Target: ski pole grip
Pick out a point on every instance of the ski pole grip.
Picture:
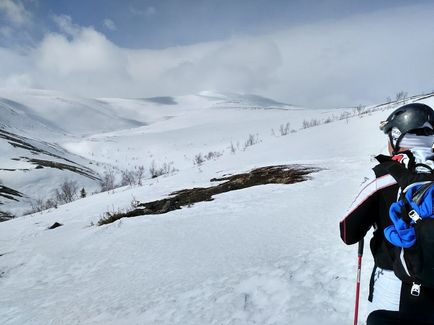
(360, 249)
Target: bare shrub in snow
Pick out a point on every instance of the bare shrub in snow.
(154, 170)
(134, 204)
(108, 179)
(232, 147)
(128, 177)
(213, 155)
(401, 96)
(50, 203)
(110, 216)
(132, 177)
(114, 215)
(251, 141)
(359, 110)
(67, 192)
(37, 206)
(344, 115)
(140, 174)
(329, 119)
(310, 123)
(166, 169)
(284, 129)
(198, 159)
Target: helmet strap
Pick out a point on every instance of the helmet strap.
(395, 146)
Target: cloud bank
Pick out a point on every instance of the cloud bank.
(334, 63)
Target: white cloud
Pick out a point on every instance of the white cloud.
(237, 65)
(109, 24)
(15, 12)
(65, 24)
(90, 52)
(353, 61)
(357, 60)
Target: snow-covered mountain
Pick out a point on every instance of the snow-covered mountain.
(268, 254)
(49, 137)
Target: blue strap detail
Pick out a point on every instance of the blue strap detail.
(400, 233)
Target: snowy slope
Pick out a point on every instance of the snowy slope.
(58, 113)
(33, 124)
(35, 168)
(180, 128)
(123, 133)
(263, 255)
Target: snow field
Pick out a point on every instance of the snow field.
(263, 255)
(241, 259)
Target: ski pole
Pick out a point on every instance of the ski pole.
(359, 270)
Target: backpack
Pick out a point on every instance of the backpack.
(411, 231)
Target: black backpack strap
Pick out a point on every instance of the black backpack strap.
(403, 176)
(397, 170)
(428, 168)
(420, 193)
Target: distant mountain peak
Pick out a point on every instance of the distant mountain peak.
(232, 99)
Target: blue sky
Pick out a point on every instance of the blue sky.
(317, 53)
(167, 23)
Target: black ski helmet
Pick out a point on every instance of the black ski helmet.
(411, 118)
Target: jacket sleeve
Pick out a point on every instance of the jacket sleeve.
(362, 213)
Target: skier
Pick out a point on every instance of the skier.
(410, 130)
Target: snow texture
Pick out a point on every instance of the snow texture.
(263, 255)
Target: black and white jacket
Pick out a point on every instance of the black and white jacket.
(369, 209)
